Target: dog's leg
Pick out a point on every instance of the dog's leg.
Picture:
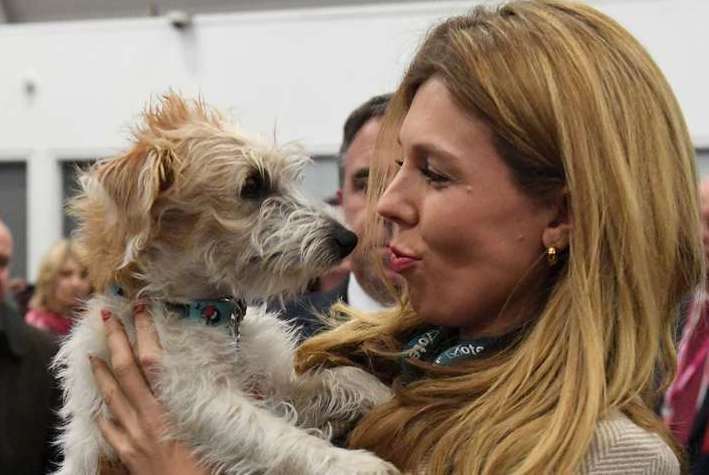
(336, 398)
(79, 437)
(81, 440)
(331, 399)
(267, 347)
(237, 436)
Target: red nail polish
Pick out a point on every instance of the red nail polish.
(139, 307)
(105, 314)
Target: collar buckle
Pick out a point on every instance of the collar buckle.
(236, 316)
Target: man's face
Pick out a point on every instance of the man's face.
(5, 256)
(356, 162)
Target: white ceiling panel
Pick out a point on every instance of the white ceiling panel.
(21, 11)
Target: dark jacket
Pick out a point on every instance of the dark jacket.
(28, 397)
(302, 312)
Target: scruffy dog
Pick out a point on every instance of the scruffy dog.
(196, 219)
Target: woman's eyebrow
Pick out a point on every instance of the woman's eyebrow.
(427, 148)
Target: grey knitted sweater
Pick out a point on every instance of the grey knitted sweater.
(621, 447)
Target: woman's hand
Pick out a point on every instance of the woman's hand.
(139, 420)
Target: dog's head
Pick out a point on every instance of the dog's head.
(198, 209)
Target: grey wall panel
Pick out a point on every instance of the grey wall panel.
(13, 210)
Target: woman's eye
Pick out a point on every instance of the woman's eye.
(433, 177)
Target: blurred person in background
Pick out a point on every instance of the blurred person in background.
(28, 393)
(361, 287)
(62, 285)
(686, 403)
(6, 246)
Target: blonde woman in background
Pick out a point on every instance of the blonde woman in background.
(540, 179)
(62, 285)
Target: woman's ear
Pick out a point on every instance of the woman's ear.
(558, 232)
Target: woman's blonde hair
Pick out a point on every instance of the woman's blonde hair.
(577, 107)
(52, 263)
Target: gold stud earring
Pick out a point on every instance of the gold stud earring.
(552, 256)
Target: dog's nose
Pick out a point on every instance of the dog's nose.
(346, 240)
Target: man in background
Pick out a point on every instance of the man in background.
(362, 288)
(28, 394)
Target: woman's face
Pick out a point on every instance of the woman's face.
(465, 237)
(71, 286)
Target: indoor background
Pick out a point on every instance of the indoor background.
(74, 74)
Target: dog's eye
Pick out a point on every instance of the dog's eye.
(255, 187)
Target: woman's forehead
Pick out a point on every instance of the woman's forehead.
(436, 122)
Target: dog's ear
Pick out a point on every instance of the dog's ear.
(132, 184)
(136, 179)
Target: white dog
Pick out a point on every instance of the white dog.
(196, 219)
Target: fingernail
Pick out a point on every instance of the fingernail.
(105, 314)
(139, 307)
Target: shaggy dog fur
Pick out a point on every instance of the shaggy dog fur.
(196, 209)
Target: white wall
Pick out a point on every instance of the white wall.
(297, 73)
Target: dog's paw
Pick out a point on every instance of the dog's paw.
(360, 462)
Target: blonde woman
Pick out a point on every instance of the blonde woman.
(62, 285)
(540, 179)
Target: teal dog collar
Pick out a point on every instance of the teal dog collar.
(210, 312)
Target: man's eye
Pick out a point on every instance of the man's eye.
(360, 184)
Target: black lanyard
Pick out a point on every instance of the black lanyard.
(442, 346)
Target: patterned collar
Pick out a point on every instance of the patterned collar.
(213, 312)
(225, 311)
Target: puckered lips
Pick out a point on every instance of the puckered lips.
(400, 260)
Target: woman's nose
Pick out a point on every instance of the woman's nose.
(396, 204)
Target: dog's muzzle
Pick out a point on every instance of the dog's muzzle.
(345, 240)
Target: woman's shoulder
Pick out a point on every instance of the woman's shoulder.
(621, 446)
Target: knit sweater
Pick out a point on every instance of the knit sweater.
(621, 447)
